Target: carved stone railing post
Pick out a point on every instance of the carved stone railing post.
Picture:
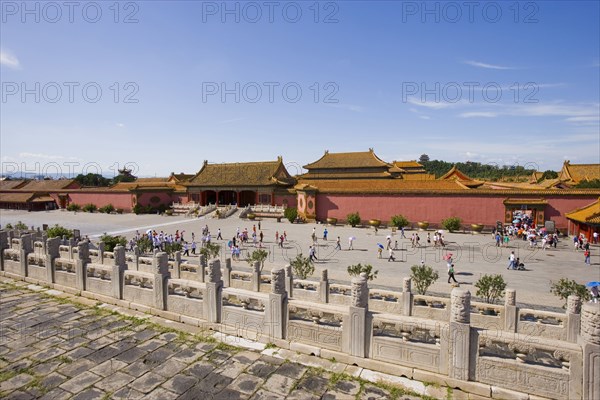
(510, 310)
(324, 287)
(202, 268)
(256, 276)
(161, 274)
(277, 308)
(573, 317)
(227, 273)
(4, 240)
(100, 253)
(83, 256)
(118, 269)
(26, 248)
(289, 281)
(357, 337)
(407, 296)
(213, 300)
(136, 257)
(460, 334)
(176, 271)
(590, 344)
(52, 253)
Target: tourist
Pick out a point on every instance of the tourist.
(276, 236)
(511, 260)
(351, 243)
(428, 238)
(338, 244)
(498, 239)
(261, 237)
(193, 247)
(281, 239)
(219, 237)
(379, 252)
(520, 265)
(312, 253)
(402, 233)
(595, 236)
(594, 294)
(325, 234)
(259, 225)
(451, 273)
(391, 258)
(186, 250)
(587, 254)
(506, 240)
(285, 236)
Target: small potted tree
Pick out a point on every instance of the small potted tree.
(423, 276)
(353, 219)
(302, 266)
(452, 224)
(357, 269)
(490, 288)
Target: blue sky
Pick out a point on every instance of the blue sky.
(502, 82)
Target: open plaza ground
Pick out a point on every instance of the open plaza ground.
(474, 254)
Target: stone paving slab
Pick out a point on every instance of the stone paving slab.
(149, 363)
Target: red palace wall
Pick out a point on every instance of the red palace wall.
(101, 199)
(164, 198)
(471, 209)
(291, 200)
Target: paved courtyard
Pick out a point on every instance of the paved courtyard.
(474, 255)
(54, 346)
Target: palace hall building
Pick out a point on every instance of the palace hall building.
(336, 185)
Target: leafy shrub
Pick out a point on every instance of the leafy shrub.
(357, 269)
(210, 250)
(302, 266)
(399, 221)
(73, 207)
(144, 244)
(353, 219)
(138, 209)
(59, 231)
(171, 248)
(110, 242)
(291, 213)
(258, 255)
(566, 287)
(490, 287)
(9, 226)
(21, 226)
(423, 276)
(452, 224)
(89, 208)
(107, 209)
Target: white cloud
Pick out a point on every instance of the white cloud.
(436, 105)
(485, 65)
(351, 107)
(41, 155)
(120, 124)
(424, 117)
(9, 60)
(475, 114)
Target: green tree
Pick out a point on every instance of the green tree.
(291, 213)
(92, 180)
(353, 219)
(452, 224)
(171, 248)
(592, 184)
(302, 266)
(210, 250)
(399, 221)
(21, 226)
(357, 269)
(490, 287)
(144, 244)
(89, 208)
(566, 287)
(258, 255)
(549, 174)
(423, 276)
(110, 242)
(59, 231)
